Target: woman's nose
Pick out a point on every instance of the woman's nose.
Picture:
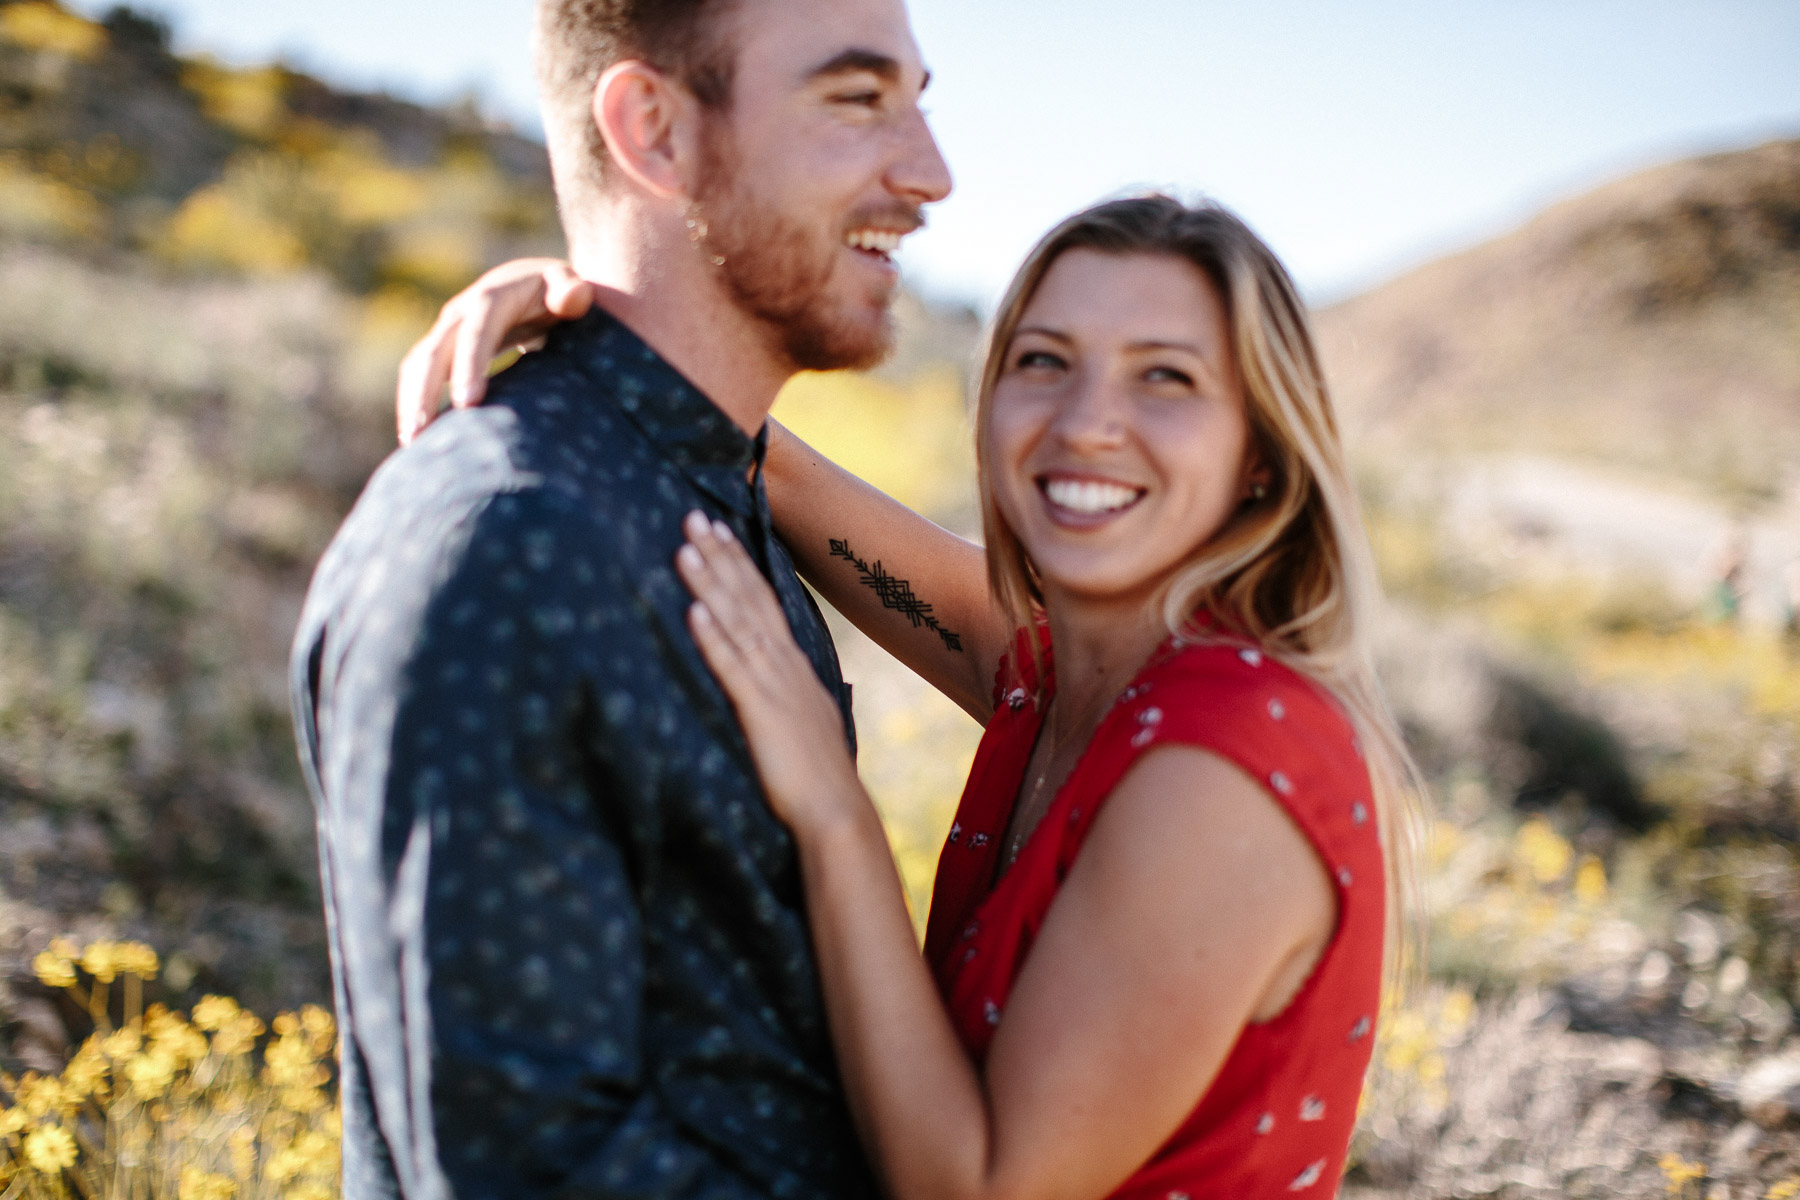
(1092, 415)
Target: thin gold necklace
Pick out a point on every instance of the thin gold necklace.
(1022, 832)
(1015, 844)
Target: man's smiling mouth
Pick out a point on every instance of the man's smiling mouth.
(877, 241)
(1089, 497)
(879, 244)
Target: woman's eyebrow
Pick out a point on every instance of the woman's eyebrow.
(1041, 331)
(1162, 344)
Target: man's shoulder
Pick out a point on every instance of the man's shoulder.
(467, 496)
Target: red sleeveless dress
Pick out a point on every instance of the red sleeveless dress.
(1277, 1119)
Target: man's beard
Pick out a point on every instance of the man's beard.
(779, 272)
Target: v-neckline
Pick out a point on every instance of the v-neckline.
(1002, 871)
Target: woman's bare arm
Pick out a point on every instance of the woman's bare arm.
(1192, 901)
(917, 589)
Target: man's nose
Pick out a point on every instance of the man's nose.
(919, 171)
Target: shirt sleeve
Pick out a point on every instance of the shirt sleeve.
(484, 877)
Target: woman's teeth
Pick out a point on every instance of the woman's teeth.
(1089, 496)
(877, 241)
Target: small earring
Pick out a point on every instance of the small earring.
(1259, 492)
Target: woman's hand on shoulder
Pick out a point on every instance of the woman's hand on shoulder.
(513, 305)
(794, 728)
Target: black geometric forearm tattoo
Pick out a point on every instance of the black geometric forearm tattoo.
(896, 594)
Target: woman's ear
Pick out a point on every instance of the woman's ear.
(1258, 480)
(650, 124)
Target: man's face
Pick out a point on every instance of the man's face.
(821, 165)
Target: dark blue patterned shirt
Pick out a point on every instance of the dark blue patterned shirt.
(568, 939)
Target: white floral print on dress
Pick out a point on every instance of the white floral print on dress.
(1307, 1177)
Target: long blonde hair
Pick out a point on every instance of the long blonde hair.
(1291, 572)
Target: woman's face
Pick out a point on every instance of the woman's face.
(1119, 438)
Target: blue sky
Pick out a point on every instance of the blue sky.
(1360, 136)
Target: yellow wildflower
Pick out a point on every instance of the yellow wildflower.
(174, 1037)
(50, 1149)
(40, 1096)
(1458, 1010)
(309, 1191)
(13, 1120)
(124, 1043)
(1787, 1189)
(1542, 850)
(1679, 1172)
(135, 958)
(284, 1164)
(238, 1037)
(150, 1074)
(310, 1153)
(203, 1185)
(41, 25)
(320, 1028)
(86, 1073)
(216, 1012)
(290, 1062)
(302, 1099)
(242, 1144)
(53, 970)
(1590, 880)
(100, 960)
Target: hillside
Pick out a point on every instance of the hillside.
(110, 142)
(207, 275)
(1652, 324)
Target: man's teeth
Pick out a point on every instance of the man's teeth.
(1088, 496)
(878, 240)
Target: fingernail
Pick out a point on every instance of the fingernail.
(687, 556)
(722, 531)
(696, 524)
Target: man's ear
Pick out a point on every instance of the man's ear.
(650, 124)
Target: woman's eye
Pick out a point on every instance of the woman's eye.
(1169, 375)
(1039, 360)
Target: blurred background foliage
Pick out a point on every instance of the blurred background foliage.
(1579, 449)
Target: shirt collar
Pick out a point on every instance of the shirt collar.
(678, 419)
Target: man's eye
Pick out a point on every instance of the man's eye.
(860, 99)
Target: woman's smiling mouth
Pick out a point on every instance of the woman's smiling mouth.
(1085, 500)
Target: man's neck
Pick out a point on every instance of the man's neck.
(661, 288)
